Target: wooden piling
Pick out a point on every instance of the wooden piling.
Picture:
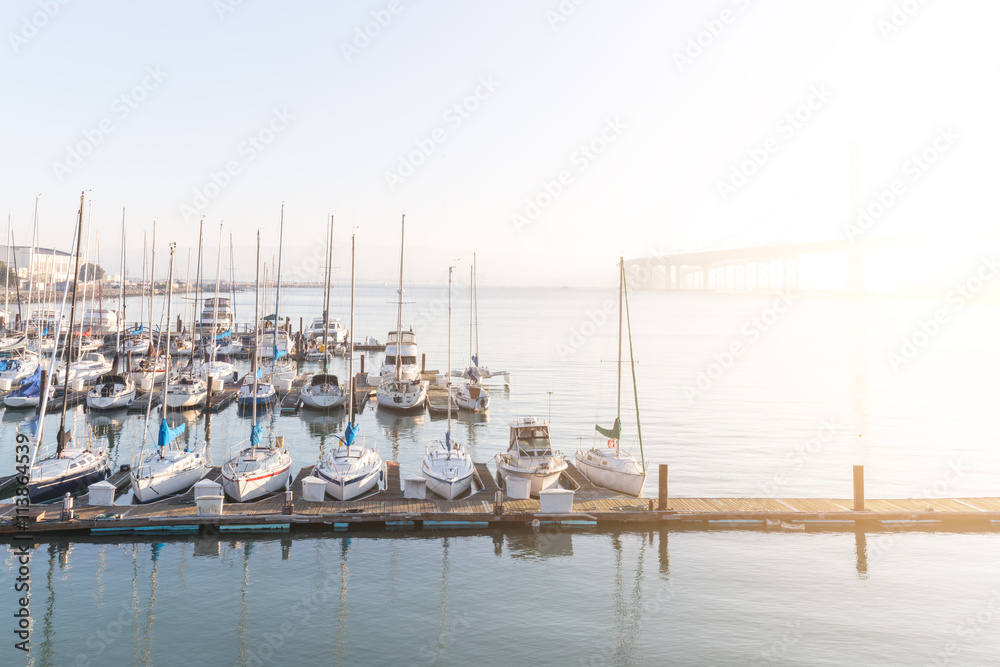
(662, 498)
(301, 347)
(362, 363)
(210, 383)
(423, 362)
(859, 488)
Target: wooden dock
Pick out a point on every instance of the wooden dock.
(141, 402)
(71, 399)
(592, 506)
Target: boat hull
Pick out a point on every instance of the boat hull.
(348, 489)
(53, 489)
(148, 489)
(621, 481)
(323, 401)
(540, 481)
(122, 400)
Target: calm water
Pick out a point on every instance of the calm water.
(740, 395)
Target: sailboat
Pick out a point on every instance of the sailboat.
(167, 470)
(472, 395)
(279, 366)
(70, 469)
(609, 466)
(114, 390)
(446, 466)
(217, 318)
(187, 389)
(257, 470)
(400, 387)
(323, 391)
(353, 467)
(29, 394)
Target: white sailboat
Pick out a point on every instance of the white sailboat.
(401, 388)
(70, 469)
(472, 395)
(279, 365)
(353, 467)
(446, 466)
(187, 389)
(323, 391)
(530, 455)
(166, 470)
(258, 469)
(609, 466)
(218, 323)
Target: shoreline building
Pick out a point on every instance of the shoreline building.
(38, 265)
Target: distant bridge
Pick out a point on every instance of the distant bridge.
(746, 269)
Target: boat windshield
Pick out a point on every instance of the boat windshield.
(530, 438)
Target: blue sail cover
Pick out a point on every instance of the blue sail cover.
(32, 386)
(255, 434)
(475, 361)
(350, 433)
(168, 434)
(278, 354)
(225, 334)
(447, 440)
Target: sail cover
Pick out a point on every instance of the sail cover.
(255, 434)
(168, 434)
(615, 432)
(349, 433)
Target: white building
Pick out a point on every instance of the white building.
(42, 265)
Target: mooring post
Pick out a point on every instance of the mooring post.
(859, 488)
(210, 387)
(498, 503)
(287, 509)
(302, 351)
(662, 493)
(67, 512)
(362, 362)
(423, 362)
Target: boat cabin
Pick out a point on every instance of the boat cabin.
(530, 436)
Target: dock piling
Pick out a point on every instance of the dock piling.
(859, 488)
(423, 362)
(67, 510)
(362, 362)
(210, 387)
(662, 493)
(288, 507)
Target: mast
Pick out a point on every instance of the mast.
(142, 290)
(121, 293)
(277, 286)
(399, 310)
(472, 291)
(350, 356)
(62, 437)
(475, 305)
(256, 338)
(52, 361)
(6, 277)
(170, 295)
(635, 390)
(152, 347)
(152, 289)
(215, 313)
(232, 278)
(326, 296)
(30, 267)
(76, 277)
(197, 287)
(17, 283)
(621, 292)
(100, 291)
(447, 434)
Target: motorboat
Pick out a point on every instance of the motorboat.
(336, 334)
(217, 315)
(401, 349)
(530, 456)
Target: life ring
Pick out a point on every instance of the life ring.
(611, 444)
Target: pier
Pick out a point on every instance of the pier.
(485, 509)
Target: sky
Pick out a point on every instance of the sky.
(549, 137)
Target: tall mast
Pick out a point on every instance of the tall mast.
(621, 292)
(277, 286)
(142, 289)
(6, 278)
(218, 277)
(350, 355)
(152, 289)
(197, 288)
(399, 310)
(256, 337)
(62, 437)
(475, 304)
(631, 356)
(166, 345)
(326, 296)
(121, 294)
(232, 277)
(30, 268)
(472, 291)
(100, 291)
(86, 251)
(447, 434)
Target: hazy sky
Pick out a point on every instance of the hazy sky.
(549, 136)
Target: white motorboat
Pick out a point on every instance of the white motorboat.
(446, 466)
(90, 367)
(336, 334)
(101, 321)
(401, 351)
(18, 369)
(610, 466)
(110, 392)
(186, 391)
(217, 315)
(271, 344)
(167, 470)
(530, 456)
(402, 395)
(323, 392)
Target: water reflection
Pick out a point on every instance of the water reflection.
(861, 553)
(545, 541)
(325, 427)
(399, 428)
